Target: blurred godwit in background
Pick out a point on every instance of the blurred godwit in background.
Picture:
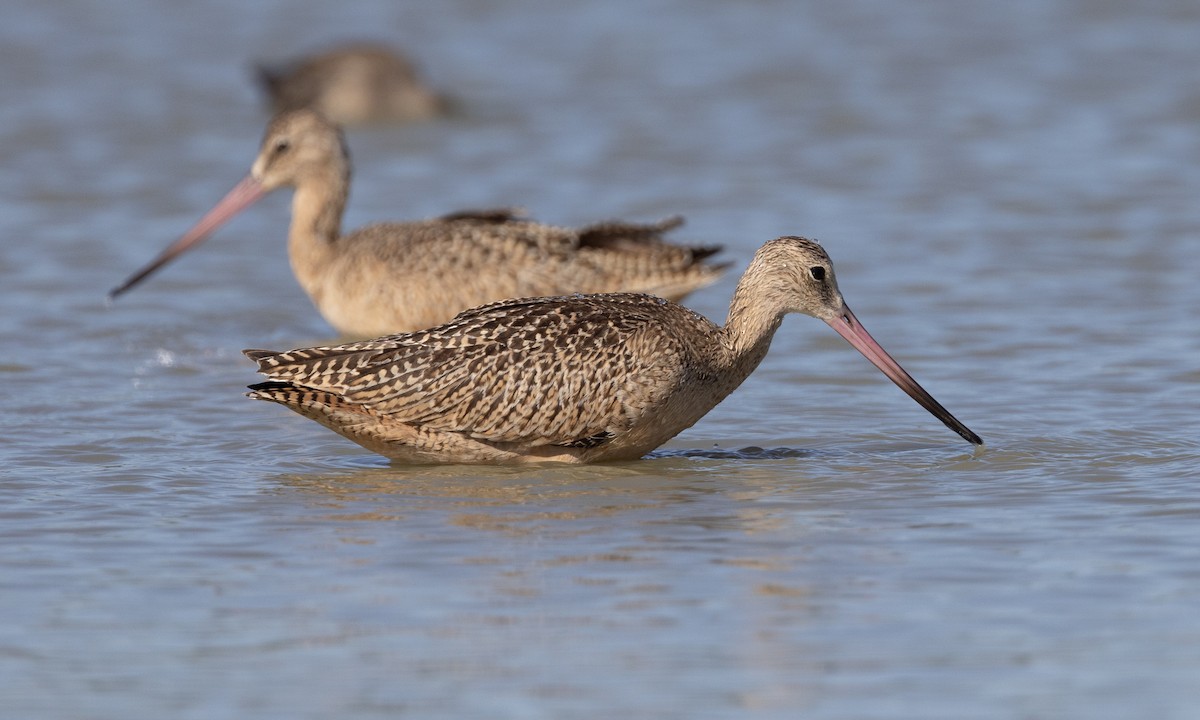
(362, 83)
(395, 277)
(575, 379)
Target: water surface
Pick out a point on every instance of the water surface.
(1008, 191)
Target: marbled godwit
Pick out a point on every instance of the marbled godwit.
(394, 277)
(571, 379)
(353, 85)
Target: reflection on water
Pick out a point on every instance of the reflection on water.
(1008, 190)
(492, 495)
(747, 453)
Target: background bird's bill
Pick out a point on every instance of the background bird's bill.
(244, 194)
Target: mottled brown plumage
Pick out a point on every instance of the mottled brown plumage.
(394, 277)
(354, 84)
(585, 378)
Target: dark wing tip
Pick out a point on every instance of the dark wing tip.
(269, 385)
(669, 223)
(284, 393)
(258, 354)
(265, 359)
(704, 252)
(489, 216)
(619, 234)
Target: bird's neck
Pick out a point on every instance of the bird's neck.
(317, 208)
(748, 329)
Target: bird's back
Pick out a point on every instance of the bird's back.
(592, 377)
(394, 277)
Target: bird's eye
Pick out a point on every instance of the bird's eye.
(281, 147)
(817, 272)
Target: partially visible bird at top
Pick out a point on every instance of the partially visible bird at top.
(402, 276)
(355, 84)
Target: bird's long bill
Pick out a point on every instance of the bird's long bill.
(847, 325)
(244, 194)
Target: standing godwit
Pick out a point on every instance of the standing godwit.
(570, 379)
(353, 85)
(394, 277)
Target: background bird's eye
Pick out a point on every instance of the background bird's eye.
(817, 272)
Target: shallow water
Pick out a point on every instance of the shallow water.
(1008, 191)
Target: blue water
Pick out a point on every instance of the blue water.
(1008, 192)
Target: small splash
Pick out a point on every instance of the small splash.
(164, 358)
